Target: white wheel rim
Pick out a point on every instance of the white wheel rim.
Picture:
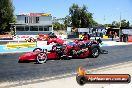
(41, 57)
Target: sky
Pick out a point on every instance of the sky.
(104, 11)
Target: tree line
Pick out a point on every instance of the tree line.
(80, 17)
(6, 15)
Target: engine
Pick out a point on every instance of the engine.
(59, 49)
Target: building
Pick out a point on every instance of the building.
(93, 32)
(33, 23)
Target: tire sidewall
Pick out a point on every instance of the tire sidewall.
(94, 47)
(37, 49)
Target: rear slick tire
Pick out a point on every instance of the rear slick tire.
(95, 51)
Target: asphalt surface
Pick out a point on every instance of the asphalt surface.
(12, 71)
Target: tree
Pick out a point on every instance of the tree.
(58, 26)
(124, 23)
(93, 23)
(67, 21)
(6, 15)
(80, 17)
(116, 24)
(74, 11)
(128, 24)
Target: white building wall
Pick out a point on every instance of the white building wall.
(21, 19)
(45, 20)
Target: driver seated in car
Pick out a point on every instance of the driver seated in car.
(86, 37)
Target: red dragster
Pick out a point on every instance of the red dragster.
(75, 49)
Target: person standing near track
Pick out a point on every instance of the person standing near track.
(86, 36)
(112, 35)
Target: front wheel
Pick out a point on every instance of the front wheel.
(42, 57)
(37, 49)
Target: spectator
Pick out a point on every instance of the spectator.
(115, 34)
(112, 35)
(85, 36)
(88, 36)
(109, 34)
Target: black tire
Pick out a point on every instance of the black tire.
(95, 51)
(19, 61)
(41, 57)
(80, 80)
(37, 49)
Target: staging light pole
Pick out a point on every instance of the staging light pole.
(53, 21)
(120, 31)
(120, 19)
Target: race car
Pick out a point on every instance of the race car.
(75, 49)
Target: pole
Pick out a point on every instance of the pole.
(120, 19)
(120, 31)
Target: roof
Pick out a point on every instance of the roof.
(34, 14)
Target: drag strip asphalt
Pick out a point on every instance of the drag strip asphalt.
(12, 71)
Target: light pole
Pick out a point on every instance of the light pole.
(53, 21)
(120, 31)
(120, 19)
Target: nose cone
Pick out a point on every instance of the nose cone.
(22, 57)
(25, 57)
